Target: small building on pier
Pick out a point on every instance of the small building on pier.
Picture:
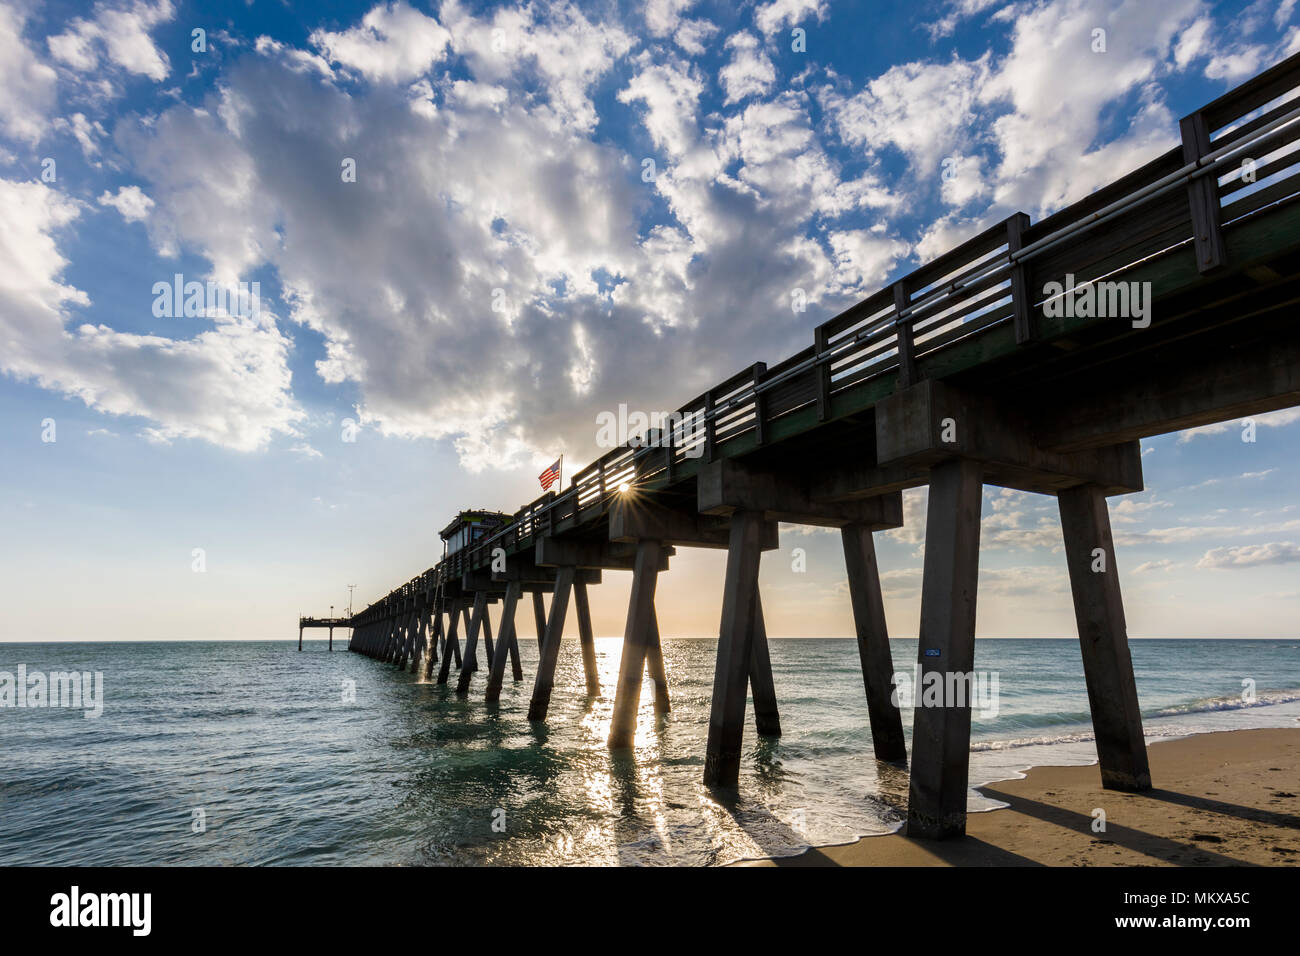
(469, 527)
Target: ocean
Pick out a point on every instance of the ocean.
(234, 753)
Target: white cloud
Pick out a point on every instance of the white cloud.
(1058, 90)
(692, 35)
(750, 72)
(1193, 42)
(912, 530)
(600, 304)
(663, 17)
(966, 182)
(130, 201)
(1250, 555)
(770, 17)
(1022, 581)
(121, 31)
(392, 44)
(1236, 66)
(924, 109)
(1146, 567)
(958, 10)
(558, 46)
(1278, 419)
(864, 258)
(27, 85)
(228, 385)
(86, 132)
(1130, 509)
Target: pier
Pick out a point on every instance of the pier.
(330, 622)
(1033, 356)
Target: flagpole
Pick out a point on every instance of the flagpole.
(560, 481)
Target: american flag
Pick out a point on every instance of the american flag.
(550, 476)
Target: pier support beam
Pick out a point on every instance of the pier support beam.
(873, 642)
(505, 643)
(516, 669)
(470, 664)
(300, 638)
(1103, 638)
(420, 647)
(434, 636)
(767, 717)
(435, 639)
(735, 651)
(636, 637)
(936, 806)
(452, 647)
(489, 649)
(539, 618)
(407, 646)
(587, 639)
(394, 638)
(550, 652)
(654, 664)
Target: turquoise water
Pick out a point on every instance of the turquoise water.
(256, 741)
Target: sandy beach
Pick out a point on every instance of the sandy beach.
(1221, 799)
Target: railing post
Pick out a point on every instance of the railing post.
(903, 330)
(760, 427)
(1021, 300)
(822, 369)
(1203, 197)
(710, 426)
(669, 447)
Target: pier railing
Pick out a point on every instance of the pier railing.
(1239, 158)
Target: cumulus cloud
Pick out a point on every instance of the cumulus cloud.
(663, 17)
(391, 44)
(118, 33)
(130, 201)
(926, 110)
(770, 17)
(750, 71)
(425, 271)
(228, 384)
(495, 224)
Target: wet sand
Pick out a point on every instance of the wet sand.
(1220, 799)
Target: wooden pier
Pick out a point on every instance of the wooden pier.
(330, 622)
(961, 374)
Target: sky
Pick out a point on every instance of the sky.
(474, 227)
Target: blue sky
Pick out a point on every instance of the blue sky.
(503, 157)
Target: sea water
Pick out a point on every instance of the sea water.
(253, 753)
